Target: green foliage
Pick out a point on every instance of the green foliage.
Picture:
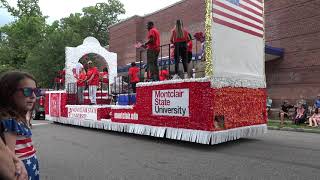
(30, 44)
(24, 8)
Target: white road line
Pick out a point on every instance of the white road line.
(40, 124)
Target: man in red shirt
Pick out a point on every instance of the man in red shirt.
(93, 82)
(153, 49)
(134, 76)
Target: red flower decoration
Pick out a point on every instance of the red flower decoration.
(199, 37)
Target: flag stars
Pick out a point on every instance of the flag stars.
(34, 167)
(28, 162)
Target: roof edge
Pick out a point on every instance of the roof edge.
(146, 15)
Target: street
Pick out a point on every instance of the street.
(72, 153)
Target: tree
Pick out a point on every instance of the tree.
(21, 36)
(95, 20)
(50, 54)
(30, 44)
(24, 8)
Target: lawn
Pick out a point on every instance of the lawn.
(288, 124)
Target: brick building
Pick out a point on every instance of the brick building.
(292, 25)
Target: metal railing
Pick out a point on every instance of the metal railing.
(166, 60)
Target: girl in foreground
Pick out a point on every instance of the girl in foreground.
(18, 93)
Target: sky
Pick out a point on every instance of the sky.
(57, 9)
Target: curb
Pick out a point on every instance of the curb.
(294, 129)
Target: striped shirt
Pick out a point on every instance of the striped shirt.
(24, 147)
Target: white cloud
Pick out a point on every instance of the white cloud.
(57, 9)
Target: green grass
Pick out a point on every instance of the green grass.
(288, 124)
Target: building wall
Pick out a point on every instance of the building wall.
(295, 26)
(124, 34)
(123, 37)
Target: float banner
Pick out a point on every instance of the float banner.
(126, 115)
(54, 104)
(89, 113)
(170, 102)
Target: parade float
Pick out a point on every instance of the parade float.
(228, 104)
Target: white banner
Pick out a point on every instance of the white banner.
(170, 102)
(88, 113)
(238, 40)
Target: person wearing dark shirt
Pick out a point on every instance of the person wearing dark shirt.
(189, 48)
(284, 112)
(133, 76)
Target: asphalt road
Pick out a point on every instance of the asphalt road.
(73, 153)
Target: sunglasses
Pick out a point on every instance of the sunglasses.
(27, 92)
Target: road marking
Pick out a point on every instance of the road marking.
(40, 124)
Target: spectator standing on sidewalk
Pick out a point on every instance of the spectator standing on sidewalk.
(18, 93)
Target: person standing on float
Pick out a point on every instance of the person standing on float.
(93, 82)
(81, 85)
(104, 78)
(133, 75)
(153, 49)
(180, 38)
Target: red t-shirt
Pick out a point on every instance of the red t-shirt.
(104, 76)
(62, 73)
(189, 46)
(133, 74)
(174, 38)
(81, 78)
(163, 75)
(57, 80)
(93, 71)
(155, 45)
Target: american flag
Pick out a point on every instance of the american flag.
(241, 15)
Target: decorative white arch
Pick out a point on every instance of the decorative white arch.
(90, 45)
